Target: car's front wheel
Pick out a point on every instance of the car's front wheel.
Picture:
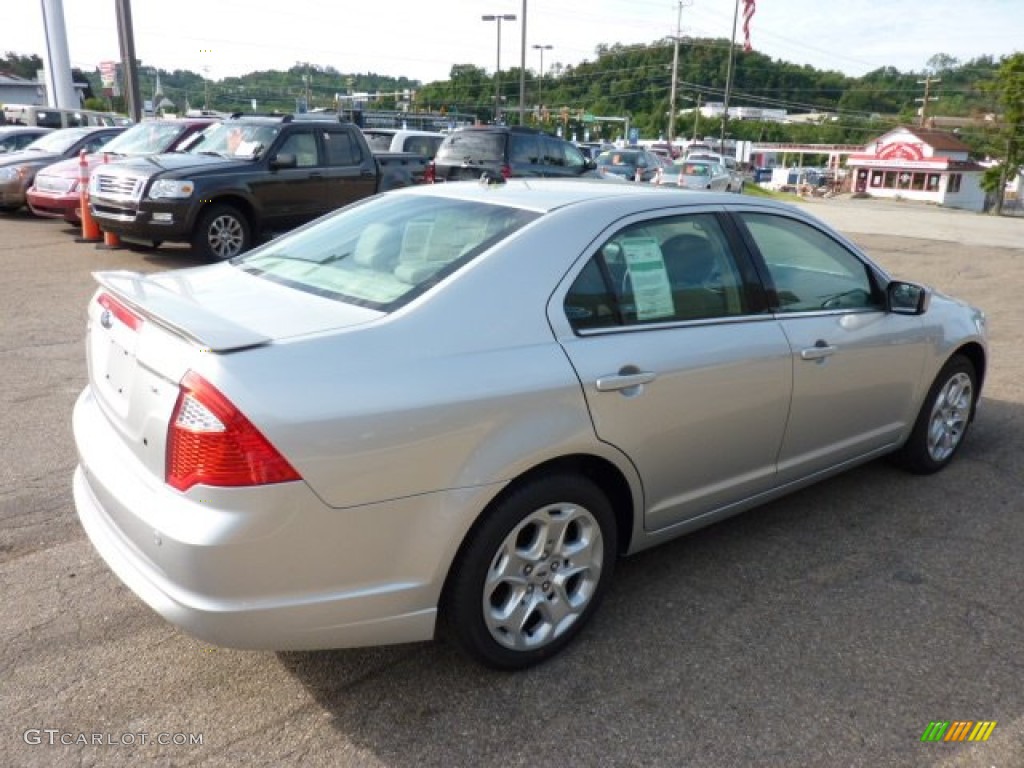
(533, 572)
(944, 418)
(221, 233)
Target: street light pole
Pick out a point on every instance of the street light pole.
(522, 70)
(498, 17)
(540, 87)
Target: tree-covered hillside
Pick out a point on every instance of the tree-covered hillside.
(620, 81)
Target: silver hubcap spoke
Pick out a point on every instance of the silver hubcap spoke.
(225, 236)
(543, 576)
(950, 412)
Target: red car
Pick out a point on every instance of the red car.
(56, 193)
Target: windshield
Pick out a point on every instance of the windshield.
(235, 139)
(385, 251)
(144, 139)
(58, 141)
(473, 147)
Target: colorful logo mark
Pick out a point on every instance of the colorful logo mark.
(958, 730)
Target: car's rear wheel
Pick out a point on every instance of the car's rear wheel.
(533, 572)
(221, 233)
(943, 420)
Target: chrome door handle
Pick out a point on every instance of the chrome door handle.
(619, 381)
(818, 351)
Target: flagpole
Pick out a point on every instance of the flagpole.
(728, 77)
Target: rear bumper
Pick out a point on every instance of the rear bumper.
(268, 568)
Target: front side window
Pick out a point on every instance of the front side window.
(810, 271)
(302, 144)
(671, 270)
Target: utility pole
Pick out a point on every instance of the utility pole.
(522, 72)
(927, 83)
(696, 117)
(728, 78)
(675, 77)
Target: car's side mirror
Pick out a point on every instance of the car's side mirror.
(284, 160)
(907, 298)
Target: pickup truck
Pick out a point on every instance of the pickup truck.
(242, 178)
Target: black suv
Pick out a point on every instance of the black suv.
(506, 151)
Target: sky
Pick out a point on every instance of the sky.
(422, 39)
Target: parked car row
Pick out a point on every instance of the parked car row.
(223, 184)
(219, 184)
(18, 169)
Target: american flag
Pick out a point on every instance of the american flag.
(748, 13)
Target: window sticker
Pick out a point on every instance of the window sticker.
(651, 290)
(246, 149)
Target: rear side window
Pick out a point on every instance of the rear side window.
(671, 270)
(525, 149)
(341, 149)
(473, 147)
(422, 145)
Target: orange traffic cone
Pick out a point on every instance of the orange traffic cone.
(90, 229)
(111, 241)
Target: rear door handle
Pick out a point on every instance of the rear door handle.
(819, 351)
(619, 381)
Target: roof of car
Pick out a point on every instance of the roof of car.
(544, 195)
(8, 129)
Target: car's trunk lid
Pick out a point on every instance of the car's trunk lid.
(145, 332)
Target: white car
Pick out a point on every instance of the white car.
(458, 404)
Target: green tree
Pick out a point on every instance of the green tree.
(1008, 87)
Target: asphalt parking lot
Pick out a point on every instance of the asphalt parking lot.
(826, 629)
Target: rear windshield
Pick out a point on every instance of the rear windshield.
(379, 142)
(694, 169)
(473, 147)
(384, 252)
(618, 158)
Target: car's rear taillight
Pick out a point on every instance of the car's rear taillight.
(430, 174)
(210, 442)
(119, 310)
(506, 171)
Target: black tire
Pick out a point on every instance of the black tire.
(222, 232)
(532, 574)
(942, 423)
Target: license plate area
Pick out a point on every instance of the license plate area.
(114, 363)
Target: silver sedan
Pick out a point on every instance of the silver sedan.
(696, 174)
(453, 407)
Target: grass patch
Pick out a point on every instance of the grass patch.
(757, 191)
